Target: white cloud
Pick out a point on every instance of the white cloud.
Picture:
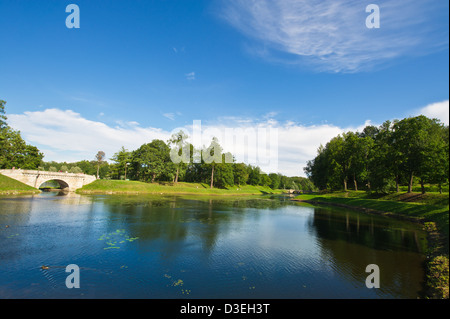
(332, 35)
(439, 110)
(64, 135)
(67, 136)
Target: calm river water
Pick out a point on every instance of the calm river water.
(202, 247)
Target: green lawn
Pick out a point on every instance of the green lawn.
(10, 186)
(134, 187)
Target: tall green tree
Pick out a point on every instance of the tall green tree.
(15, 152)
(384, 162)
(121, 159)
(358, 149)
(180, 152)
(274, 180)
(224, 173)
(151, 161)
(212, 155)
(319, 169)
(240, 174)
(2, 115)
(254, 175)
(417, 139)
(100, 157)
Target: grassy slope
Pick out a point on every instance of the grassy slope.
(134, 187)
(9, 186)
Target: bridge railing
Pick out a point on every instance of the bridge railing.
(39, 172)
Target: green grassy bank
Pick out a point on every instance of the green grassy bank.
(134, 187)
(430, 209)
(9, 186)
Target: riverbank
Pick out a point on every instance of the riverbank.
(431, 210)
(135, 187)
(9, 186)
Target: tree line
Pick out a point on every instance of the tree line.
(383, 158)
(154, 162)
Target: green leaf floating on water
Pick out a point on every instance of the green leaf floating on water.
(117, 237)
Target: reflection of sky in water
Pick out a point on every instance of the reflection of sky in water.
(174, 247)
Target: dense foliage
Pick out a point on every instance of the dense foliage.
(385, 157)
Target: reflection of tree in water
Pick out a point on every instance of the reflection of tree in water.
(177, 221)
(350, 241)
(371, 231)
(14, 211)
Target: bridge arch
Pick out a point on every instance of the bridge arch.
(62, 184)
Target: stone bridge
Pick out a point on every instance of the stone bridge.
(68, 181)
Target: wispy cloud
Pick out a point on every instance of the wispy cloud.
(190, 76)
(170, 116)
(332, 36)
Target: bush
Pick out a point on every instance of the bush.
(438, 277)
(76, 170)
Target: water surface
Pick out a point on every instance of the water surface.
(201, 247)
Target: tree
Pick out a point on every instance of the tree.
(224, 174)
(274, 180)
(15, 152)
(419, 141)
(319, 170)
(265, 180)
(384, 161)
(152, 160)
(254, 175)
(75, 170)
(340, 157)
(211, 156)
(240, 174)
(2, 115)
(358, 149)
(180, 152)
(122, 159)
(434, 169)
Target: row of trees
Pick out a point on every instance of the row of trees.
(85, 166)
(157, 161)
(385, 157)
(14, 151)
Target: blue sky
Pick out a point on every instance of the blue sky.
(139, 69)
